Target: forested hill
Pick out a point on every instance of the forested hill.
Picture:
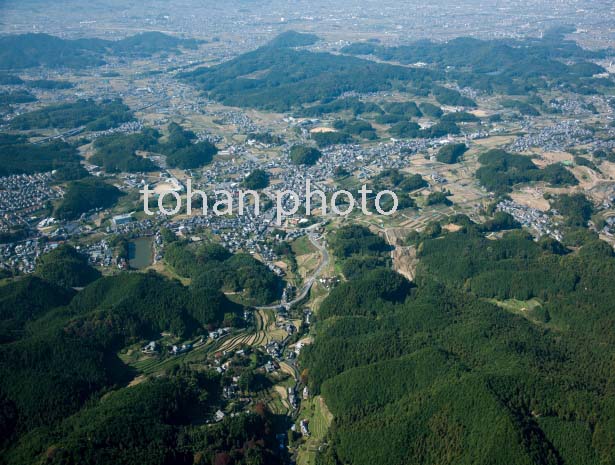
(33, 50)
(278, 77)
(17, 155)
(507, 66)
(63, 390)
(502, 353)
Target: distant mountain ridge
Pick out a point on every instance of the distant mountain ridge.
(33, 50)
(280, 76)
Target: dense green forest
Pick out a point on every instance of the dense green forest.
(460, 117)
(257, 179)
(397, 180)
(151, 423)
(71, 171)
(500, 352)
(431, 110)
(34, 50)
(345, 130)
(265, 138)
(59, 385)
(62, 394)
(211, 266)
(293, 39)
(356, 127)
(405, 109)
(18, 156)
(438, 198)
(522, 107)
(451, 153)
(66, 267)
(288, 78)
(85, 195)
(501, 170)
(10, 79)
(500, 66)
(350, 104)
(182, 151)
(280, 78)
(117, 152)
(95, 116)
(359, 251)
(26, 299)
(19, 96)
(193, 156)
(402, 184)
(356, 240)
(326, 139)
(576, 209)
(452, 97)
(304, 155)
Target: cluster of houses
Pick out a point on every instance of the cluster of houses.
(130, 127)
(304, 425)
(531, 218)
(609, 227)
(292, 397)
(100, 253)
(219, 333)
(23, 194)
(558, 137)
(574, 106)
(21, 256)
(274, 349)
(437, 178)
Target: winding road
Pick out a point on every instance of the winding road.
(324, 262)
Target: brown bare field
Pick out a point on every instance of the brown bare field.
(165, 186)
(494, 141)
(138, 380)
(405, 261)
(479, 113)
(548, 158)
(160, 268)
(394, 235)
(588, 178)
(286, 368)
(464, 194)
(531, 197)
(452, 227)
(281, 390)
(307, 263)
(608, 169)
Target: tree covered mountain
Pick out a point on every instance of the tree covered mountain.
(500, 353)
(507, 66)
(281, 78)
(34, 50)
(63, 394)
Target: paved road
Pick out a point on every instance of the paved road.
(69, 133)
(324, 262)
